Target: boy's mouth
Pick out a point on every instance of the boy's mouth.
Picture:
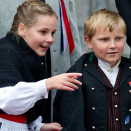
(112, 53)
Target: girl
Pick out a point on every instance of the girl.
(22, 80)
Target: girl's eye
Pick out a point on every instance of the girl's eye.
(43, 32)
(53, 33)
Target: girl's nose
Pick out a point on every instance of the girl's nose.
(50, 38)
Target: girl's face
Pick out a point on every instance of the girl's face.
(41, 35)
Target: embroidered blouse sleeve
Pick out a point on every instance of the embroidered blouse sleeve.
(20, 98)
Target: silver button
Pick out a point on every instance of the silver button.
(111, 70)
(93, 127)
(130, 110)
(130, 129)
(93, 108)
(117, 119)
(115, 93)
(116, 106)
(85, 64)
(129, 91)
(108, 69)
(129, 67)
(92, 88)
(42, 97)
(42, 63)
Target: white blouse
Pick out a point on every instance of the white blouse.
(20, 98)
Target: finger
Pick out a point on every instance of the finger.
(56, 128)
(72, 80)
(68, 84)
(74, 77)
(56, 124)
(73, 74)
(67, 88)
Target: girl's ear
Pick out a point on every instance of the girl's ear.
(21, 30)
(88, 42)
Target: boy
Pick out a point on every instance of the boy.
(103, 101)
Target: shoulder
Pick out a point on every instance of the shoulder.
(126, 60)
(77, 67)
(83, 58)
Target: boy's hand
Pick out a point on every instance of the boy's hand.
(63, 82)
(51, 127)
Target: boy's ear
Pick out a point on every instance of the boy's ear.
(21, 30)
(88, 42)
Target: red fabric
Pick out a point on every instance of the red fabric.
(15, 118)
(130, 83)
(68, 28)
(112, 99)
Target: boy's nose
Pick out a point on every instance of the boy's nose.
(112, 44)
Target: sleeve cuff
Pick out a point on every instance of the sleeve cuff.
(41, 90)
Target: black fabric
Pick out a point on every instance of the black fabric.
(47, 63)
(47, 109)
(124, 9)
(111, 98)
(74, 110)
(18, 62)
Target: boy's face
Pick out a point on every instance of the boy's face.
(107, 46)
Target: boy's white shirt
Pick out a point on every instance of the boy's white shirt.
(20, 98)
(111, 73)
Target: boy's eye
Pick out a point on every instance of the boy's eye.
(104, 39)
(118, 38)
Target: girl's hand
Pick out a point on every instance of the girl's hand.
(51, 127)
(63, 82)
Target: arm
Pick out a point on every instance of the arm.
(124, 9)
(20, 98)
(37, 125)
(25, 94)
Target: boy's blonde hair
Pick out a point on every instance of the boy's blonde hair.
(27, 14)
(102, 19)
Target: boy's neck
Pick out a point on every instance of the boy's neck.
(107, 65)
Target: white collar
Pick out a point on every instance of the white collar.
(106, 65)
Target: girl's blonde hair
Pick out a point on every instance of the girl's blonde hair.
(102, 19)
(27, 14)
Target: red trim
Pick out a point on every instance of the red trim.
(68, 28)
(15, 118)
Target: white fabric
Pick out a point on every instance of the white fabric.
(65, 40)
(12, 126)
(20, 98)
(111, 73)
(36, 125)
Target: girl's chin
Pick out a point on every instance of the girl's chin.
(41, 54)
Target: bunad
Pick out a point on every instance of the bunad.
(86, 109)
(22, 85)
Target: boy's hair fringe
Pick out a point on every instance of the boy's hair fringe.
(102, 19)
